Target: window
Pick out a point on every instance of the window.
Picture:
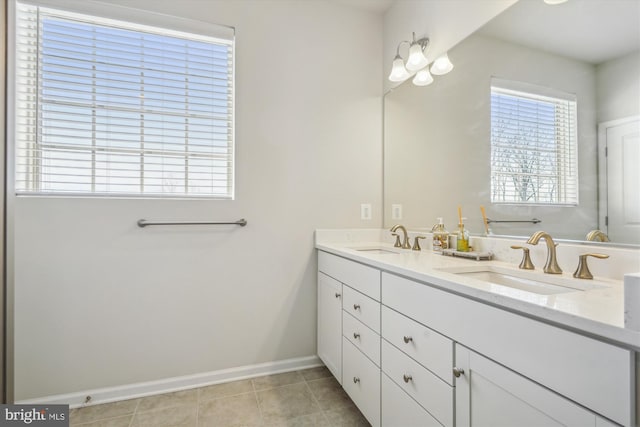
(533, 145)
(107, 107)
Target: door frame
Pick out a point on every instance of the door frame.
(603, 203)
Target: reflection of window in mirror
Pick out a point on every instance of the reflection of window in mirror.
(533, 145)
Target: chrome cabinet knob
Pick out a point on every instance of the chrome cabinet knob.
(338, 295)
(457, 372)
(356, 380)
(407, 378)
(407, 340)
(356, 335)
(356, 306)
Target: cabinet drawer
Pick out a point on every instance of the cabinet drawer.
(361, 381)
(429, 348)
(361, 277)
(592, 373)
(399, 409)
(428, 390)
(361, 307)
(363, 337)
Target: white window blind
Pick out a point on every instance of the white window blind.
(114, 108)
(533, 145)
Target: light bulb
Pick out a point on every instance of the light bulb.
(423, 78)
(442, 65)
(416, 60)
(398, 71)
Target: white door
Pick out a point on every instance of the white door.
(622, 168)
(330, 324)
(488, 394)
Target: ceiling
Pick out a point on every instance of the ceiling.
(592, 31)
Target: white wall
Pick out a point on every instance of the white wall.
(437, 151)
(618, 87)
(445, 22)
(100, 302)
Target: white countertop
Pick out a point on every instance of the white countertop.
(598, 312)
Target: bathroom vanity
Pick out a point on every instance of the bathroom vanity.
(415, 344)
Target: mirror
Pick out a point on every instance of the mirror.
(437, 138)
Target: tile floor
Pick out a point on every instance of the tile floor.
(308, 398)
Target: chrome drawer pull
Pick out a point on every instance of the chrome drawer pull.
(356, 335)
(337, 295)
(407, 378)
(407, 340)
(457, 372)
(356, 306)
(356, 380)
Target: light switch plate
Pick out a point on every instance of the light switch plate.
(396, 211)
(365, 211)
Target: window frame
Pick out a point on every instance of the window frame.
(569, 179)
(140, 19)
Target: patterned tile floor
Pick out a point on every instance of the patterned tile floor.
(308, 398)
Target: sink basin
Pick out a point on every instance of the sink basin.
(376, 250)
(522, 280)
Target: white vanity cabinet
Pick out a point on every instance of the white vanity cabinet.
(414, 354)
(591, 373)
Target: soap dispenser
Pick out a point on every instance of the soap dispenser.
(462, 237)
(440, 236)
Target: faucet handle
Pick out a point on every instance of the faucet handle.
(526, 263)
(416, 243)
(582, 272)
(397, 244)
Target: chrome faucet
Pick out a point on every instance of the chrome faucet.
(551, 266)
(405, 243)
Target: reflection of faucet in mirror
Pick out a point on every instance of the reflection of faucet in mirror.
(405, 243)
(551, 266)
(597, 236)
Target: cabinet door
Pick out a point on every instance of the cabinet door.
(488, 394)
(330, 324)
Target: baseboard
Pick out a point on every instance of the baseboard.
(131, 391)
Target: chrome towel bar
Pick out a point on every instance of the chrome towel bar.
(533, 221)
(143, 223)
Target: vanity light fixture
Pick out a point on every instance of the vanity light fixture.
(418, 63)
(554, 2)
